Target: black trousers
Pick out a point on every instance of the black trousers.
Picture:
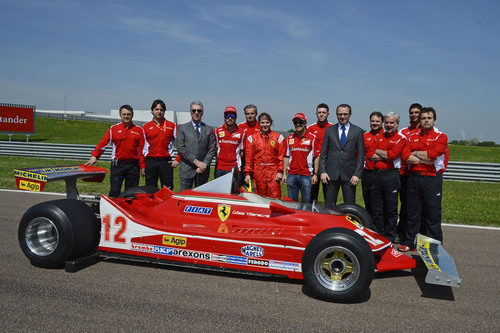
(315, 191)
(366, 187)
(403, 213)
(424, 208)
(332, 192)
(384, 201)
(199, 179)
(120, 171)
(159, 168)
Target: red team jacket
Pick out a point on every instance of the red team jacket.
(319, 132)
(407, 131)
(159, 138)
(436, 145)
(301, 152)
(127, 143)
(229, 145)
(248, 130)
(370, 147)
(393, 143)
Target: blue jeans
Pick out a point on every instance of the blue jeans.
(296, 183)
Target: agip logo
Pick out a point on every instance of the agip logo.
(174, 241)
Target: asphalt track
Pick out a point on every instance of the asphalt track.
(122, 296)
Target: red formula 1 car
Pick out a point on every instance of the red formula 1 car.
(215, 226)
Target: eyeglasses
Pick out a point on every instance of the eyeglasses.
(298, 122)
(196, 110)
(229, 115)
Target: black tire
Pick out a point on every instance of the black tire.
(131, 192)
(54, 231)
(338, 265)
(357, 213)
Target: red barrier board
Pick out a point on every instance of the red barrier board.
(17, 118)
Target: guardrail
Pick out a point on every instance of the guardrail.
(465, 171)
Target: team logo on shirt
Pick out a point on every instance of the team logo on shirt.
(306, 142)
(221, 134)
(273, 143)
(291, 141)
(237, 135)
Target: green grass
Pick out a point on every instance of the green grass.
(463, 202)
(90, 132)
(71, 131)
(475, 154)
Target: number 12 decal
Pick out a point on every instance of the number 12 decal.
(119, 221)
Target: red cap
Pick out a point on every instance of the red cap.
(299, 116)
(231, 109)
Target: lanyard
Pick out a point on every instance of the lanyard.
(162, 128)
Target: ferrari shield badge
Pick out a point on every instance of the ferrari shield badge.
(224, 211)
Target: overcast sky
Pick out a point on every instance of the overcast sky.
(284, 56)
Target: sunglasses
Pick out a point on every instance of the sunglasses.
(299, 122)
(229, 115)
(194, 111)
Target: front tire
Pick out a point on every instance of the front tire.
(338, 265)
(358, 214)
(52, 232)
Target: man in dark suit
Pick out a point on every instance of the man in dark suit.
(342, 158)
(196, 145)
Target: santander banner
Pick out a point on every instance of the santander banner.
(17, 118)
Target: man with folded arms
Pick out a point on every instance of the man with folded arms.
(425, 153)
(385, 181)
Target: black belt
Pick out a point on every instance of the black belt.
(382, 170)
(158, 158)
(127, 161)
(423, 174)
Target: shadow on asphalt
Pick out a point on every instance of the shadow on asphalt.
(364, 297)
(207, 270)
(431, 290)
(392, 274)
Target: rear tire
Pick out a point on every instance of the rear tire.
(52, 232)
(338, 265)
(358, 214)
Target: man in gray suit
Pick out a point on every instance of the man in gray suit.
(196, 145)
(342, 158)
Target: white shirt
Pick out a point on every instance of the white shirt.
(194, 125)
(347, 126)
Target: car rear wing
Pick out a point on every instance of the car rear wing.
(441, 266)
(34, 179)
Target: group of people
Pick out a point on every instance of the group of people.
(391, 163)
